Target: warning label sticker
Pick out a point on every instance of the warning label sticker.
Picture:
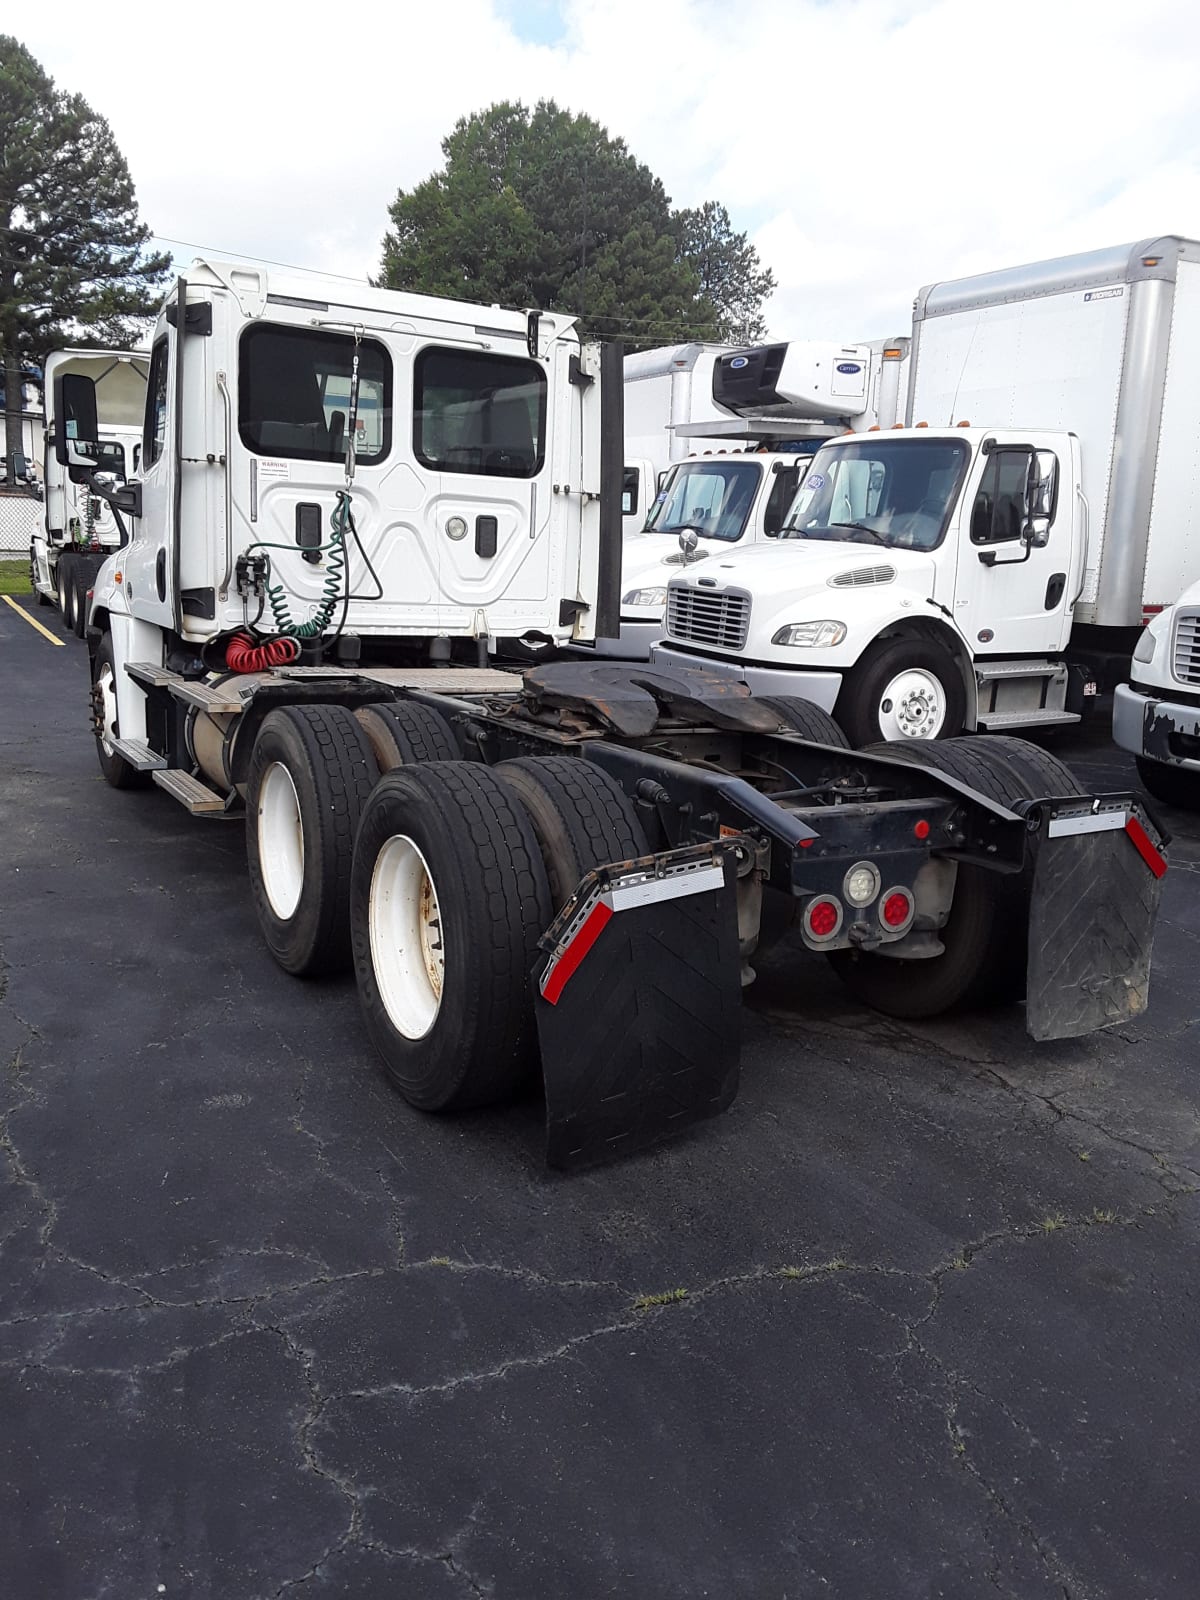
(269, 467)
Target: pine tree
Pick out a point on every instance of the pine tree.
(546, 209)
(73, 262)
(730, 272)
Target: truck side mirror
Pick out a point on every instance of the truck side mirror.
(1041, 497)
(76, 431)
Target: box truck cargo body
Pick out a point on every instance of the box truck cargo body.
(1015, 585)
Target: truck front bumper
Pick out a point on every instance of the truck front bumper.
(821, 688)
(1161, 730)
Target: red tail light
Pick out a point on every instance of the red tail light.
(897, 909)
(823, 918)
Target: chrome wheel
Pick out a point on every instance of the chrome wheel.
(912, 706)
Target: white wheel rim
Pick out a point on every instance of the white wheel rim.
(913, 706)
(407, 949)
(108, 695)
(280, 840)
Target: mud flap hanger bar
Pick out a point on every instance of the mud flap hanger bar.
(637, 994)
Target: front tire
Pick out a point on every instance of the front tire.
(64, 580)
(115, 768)
(310, 775)
(903, 689)
(448, 898)
(1174, 786)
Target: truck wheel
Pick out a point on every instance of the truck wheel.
(403, 731)
(33, 577)
(579, 814)
(902, 689)
(1174, 786)
(310, 774)
(448, 898)
(82, 577)
(804, 718)
(985, 934)
(64, 580)
(115, 768)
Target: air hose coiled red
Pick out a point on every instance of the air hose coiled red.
(243, 655)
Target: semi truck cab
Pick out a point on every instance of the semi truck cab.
(1156, 715)
(923, 581)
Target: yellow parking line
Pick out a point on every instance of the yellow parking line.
(32, 621)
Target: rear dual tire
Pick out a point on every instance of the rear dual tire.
(984, 958)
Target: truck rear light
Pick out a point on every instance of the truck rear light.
(861, 883)
(921, 829)
(823, 919)
(897, 910)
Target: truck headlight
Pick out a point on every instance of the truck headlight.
(645, 597)
(1144, 649)
(821, 635)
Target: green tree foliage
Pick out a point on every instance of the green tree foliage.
(544, 209)
(73, 262)
(727, 265)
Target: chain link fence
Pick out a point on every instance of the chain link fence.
(19, 516)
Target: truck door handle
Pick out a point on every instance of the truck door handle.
(486, 529)
(160, 574)
(1054, 589)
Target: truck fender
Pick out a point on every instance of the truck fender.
(941, 632)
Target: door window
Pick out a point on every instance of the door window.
(783, 490)
(629, 493)
(479, 413)
(998, 515)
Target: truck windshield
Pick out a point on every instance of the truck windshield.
(713, 497)
(894, 492)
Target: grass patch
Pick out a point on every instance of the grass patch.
(1054, 1223)
(666, 1297)
(14, 578)
(1104, 1216)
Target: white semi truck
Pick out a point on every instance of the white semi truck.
(991, 565)
(78, 528)
(1156, 714)
(347, 496)
(740, 449)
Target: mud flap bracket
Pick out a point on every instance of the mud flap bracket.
(1097, 884)
(637, 992)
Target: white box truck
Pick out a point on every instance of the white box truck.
(740, 450)
(78, 528)
(346, 494)
(989, 566)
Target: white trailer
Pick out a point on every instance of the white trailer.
(989, 566)
(78, 528)
(347, 495)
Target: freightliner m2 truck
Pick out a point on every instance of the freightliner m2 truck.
(991, 565)
(78, 527)
(348, 497)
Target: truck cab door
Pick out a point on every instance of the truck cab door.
(148, 563)
(1016, 557)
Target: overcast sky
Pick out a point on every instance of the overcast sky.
(869, 146)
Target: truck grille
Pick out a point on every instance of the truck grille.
(721, 618)
(1187, 647)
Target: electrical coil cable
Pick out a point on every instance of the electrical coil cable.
(316, 625)
(242, 654)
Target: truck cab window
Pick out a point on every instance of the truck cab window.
(999, 507)
(893, 493)
(294, 394)
(713, 497)
(629, 492)
(783, 491)
(155, 433)
(479, 413)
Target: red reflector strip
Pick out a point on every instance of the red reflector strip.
(568, 963)
(1146, 848)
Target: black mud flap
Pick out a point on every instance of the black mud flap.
(638, 1000)
(1096, 888)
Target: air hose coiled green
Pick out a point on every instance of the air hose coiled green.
(339, 522)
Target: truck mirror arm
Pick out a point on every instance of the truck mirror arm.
(127, 498)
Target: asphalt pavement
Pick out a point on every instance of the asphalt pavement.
(916, 1318)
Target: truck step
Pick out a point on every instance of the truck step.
(218, 701)
(139, 755)
(997, 721)
(190, 792)
(989, 671)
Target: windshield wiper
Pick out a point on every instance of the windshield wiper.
(861, 527)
